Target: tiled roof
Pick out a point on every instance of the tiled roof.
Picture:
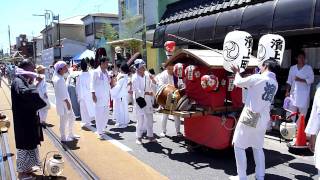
(188, 9)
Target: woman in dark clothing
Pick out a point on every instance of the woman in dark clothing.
(27, 128)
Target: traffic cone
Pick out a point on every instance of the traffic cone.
(301, 138)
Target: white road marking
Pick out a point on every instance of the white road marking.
(106, 137)
(273, 138)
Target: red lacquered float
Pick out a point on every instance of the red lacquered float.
(216, 102)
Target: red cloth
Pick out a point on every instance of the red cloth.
(213, 99)
(209, 131)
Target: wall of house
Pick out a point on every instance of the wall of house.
(73, 32)
(152, 58)
(71, 49)
(90, 39)
(38, 50)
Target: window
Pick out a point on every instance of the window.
(99, 30)
(50, 41)
(123, 10)
(89, 29)
(141, 6)
(132, 7)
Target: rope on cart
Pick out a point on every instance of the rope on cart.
(225, 119)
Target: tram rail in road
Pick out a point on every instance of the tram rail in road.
(70, 156)
(6, 162)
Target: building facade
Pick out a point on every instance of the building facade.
(37, 49)
(70, 28)
(131, 24)
(95, 25)
(208, 22)
(24, 46)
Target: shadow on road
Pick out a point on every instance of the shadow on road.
(307, 168)
(127, 129)
(41, 177)
(274, 176)
(220, 159)
(72, 145)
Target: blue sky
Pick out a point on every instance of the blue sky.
(18, 14)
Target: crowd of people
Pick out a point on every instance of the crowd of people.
(98, 89)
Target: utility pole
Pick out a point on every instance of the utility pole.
(9, 40)
(144, 35)
(58, 32)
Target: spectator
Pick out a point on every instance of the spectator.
(28, 132)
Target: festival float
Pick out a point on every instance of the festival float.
(206, 98)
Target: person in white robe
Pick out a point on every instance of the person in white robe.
(142, 88)
(42, 88)
(299, 82)
(252, 124)
(63, 102)
(71, 85)
(119, 94)
(100, 89)
(84, 95)
(313, 128)
(164, 78)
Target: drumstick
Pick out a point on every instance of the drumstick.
(196, 43)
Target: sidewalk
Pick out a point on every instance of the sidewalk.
(46, 145)
(103, 158)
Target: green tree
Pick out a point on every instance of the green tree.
(109, 33)
(131, 24)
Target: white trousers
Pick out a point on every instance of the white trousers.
(101, 117)
(66, 124)
(43, 113)
(120, 110)
(85, 118)
(177, 123)
(147, 119)
(241, 161)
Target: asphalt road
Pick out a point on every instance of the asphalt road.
(172, 158)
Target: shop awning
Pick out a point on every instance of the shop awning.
(85, 54)
(208, 21)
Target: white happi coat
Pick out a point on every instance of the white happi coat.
(120, 89)
(300, 91)
(100, 84)
(42, 89)
(164, 78)
(313, 126)
(140, 85)
(261, 91)
(61, 94)
(83, 92)
(119, 94)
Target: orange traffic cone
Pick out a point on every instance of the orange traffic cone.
(301, 137)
